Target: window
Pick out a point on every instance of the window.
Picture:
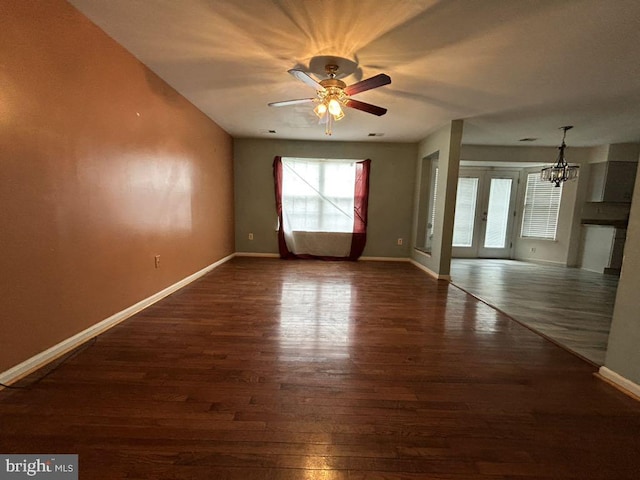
(431, 223)
(322, 207)
(318, 195)
(428, 187)
(541, 208)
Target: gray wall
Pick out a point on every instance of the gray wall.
(446, 142)
(392, 181)
(623, 351)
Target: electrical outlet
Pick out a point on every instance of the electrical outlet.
(157, 261)
(399, 241)
(251, 236)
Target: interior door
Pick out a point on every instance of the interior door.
(485, 212)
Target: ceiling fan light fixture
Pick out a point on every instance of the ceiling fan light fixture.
(332, 94)
(334, 108)
(320, 110)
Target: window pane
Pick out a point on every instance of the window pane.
(317, 195)
(339, 179)
(465, 212)
(541, 208)
(498, 213)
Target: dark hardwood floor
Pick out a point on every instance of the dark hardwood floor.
(271, 369)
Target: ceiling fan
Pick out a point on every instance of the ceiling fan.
(332, 94)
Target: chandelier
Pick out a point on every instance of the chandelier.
(561, 171)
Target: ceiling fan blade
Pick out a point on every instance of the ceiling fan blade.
(368, 84)
(365, 107)
(304, 77)
(291, 102)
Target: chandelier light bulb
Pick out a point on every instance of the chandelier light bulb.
(334, 108)
(320, 110)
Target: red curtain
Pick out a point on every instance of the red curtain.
(277, 177)
(361, 201)
(360, 206)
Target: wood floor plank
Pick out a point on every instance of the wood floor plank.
(271, 369)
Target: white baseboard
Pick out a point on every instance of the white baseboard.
(540, 262)
(430, 272)
(367, 259)
(384, 259)
(620, 381)
(30, 365)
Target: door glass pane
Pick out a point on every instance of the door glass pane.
(465, 212)
(498, 213)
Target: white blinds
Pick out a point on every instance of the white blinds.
(431, 223)
(465, 212)
(541, 208)
(498, 213)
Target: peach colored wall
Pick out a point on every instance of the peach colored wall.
(102, 167)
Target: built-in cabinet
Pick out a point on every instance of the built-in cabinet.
(605, 215)
(612, 181)
(602, 248)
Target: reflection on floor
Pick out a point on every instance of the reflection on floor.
(572, 307)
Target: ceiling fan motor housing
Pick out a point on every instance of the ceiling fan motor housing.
(333, 82)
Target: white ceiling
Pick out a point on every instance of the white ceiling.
(510, 68)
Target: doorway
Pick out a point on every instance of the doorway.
(485, 213)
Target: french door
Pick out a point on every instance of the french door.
(485, 213)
